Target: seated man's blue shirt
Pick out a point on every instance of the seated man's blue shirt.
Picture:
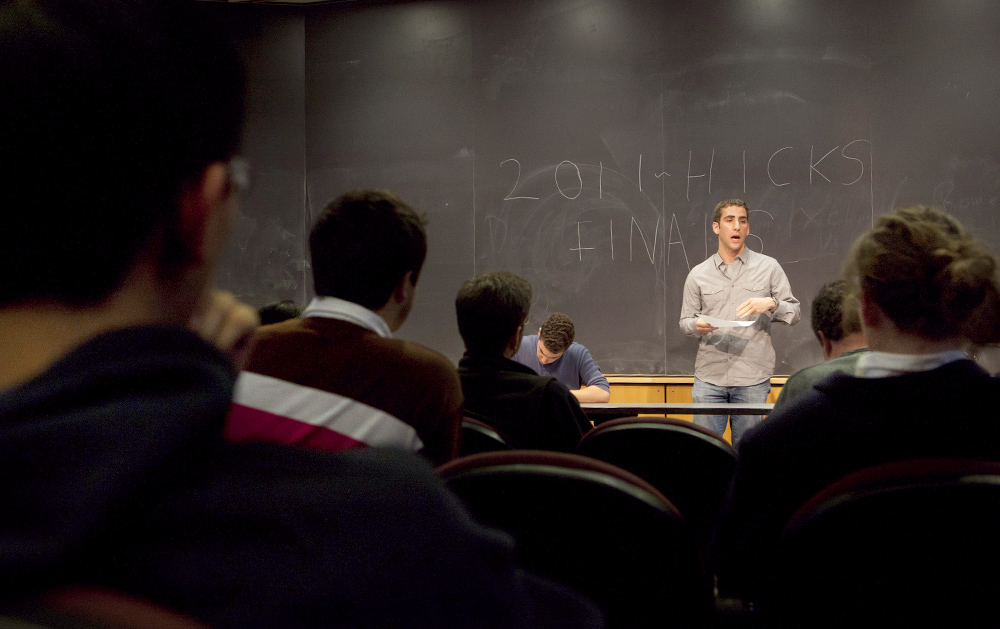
(575, 368)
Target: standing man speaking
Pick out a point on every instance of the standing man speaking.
(734, 363)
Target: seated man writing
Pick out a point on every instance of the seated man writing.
(553, 352)
(536, 411)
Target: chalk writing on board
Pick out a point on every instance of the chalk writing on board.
(579, 243)
(578, 176)
(758, 238)
(771, 159)
(710, 167)
(495, 223)
(656, 233)
(517, 180)
(679, 241)
(611, 228)
(813, 165)
(565, 206)
(944, 197)
(777, 171)
(971, 193)
(861, 164)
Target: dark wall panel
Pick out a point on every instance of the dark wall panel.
(267, 259)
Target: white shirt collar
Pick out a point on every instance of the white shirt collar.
(883, 365)
(336, 308)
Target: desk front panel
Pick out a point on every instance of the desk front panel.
(636, 389)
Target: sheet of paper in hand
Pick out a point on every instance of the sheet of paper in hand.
(722, 323)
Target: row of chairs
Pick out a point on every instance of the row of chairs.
(903, 542)
(690, 465)
(906, 542)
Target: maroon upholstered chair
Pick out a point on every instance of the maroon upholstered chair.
(600, 529)
(690, 465)
(911, 543)
(92, 607)
(478, 436)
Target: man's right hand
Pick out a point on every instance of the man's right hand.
(702, 327)
(227, 323)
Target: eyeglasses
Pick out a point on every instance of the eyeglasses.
(239, 174)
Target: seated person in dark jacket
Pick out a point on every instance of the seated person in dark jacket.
(838, 330)
(535, 411)
(927, 289)
(118, 124)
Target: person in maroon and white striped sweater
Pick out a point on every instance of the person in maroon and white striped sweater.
(335, 378)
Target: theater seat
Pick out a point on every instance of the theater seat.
(478, 436)
(690, 465)
(913, 543)
(598, 528)
(92, 607)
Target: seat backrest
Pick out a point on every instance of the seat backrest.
(92, 607)
(599, 529)
(688, 464)
(907, 542)
(478, 436)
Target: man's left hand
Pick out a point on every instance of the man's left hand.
(755, 306)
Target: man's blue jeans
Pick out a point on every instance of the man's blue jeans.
(710, 393)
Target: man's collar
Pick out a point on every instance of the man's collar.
(336, 308)
(882, 364)
(744, 257)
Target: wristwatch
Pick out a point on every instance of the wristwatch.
(775, 305)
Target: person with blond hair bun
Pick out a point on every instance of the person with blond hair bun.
(927, 291)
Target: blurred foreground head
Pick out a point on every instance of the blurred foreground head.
(110, 111)
(928, 276)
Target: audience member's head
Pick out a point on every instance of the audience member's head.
(113, 113)
(555, 336)
(279, 311)
(492, 310)
(368, 247)
(919, 274)
(835, 319)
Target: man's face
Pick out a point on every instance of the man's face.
(732, 228)
(544, 355)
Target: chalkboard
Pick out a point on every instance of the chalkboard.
(584, 144)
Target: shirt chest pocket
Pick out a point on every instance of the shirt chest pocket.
(714, 298)
(757, 290)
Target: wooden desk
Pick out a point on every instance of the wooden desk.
(676, 389)
(603, 412)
